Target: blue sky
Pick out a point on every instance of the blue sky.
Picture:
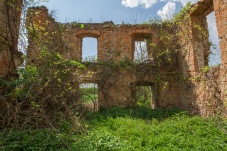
(119, 11)
(104, 10)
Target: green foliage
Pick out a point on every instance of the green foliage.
(136, 113)
(89, 97)
(44, 95)
(89, 94)
(205, 69)
(143, 96)
(35, 140)
(53, 72)
(81, 25)
(146, 129)
(127, 129)
(181, 15)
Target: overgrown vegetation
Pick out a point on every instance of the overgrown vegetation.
(40, 111)
(127, 129)
(43, 95)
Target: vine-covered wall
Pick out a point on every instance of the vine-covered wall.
(115, 72)
(176, 68)
(204, 91)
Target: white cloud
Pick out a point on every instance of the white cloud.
(149, 3)
(183, 2)
(135, 3)
(167, 11)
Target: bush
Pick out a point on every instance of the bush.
(44, 94)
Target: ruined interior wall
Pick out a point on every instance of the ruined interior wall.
(200, 92)
(195, 48)
(10, 58)
(220, 8)
(210, 90)
(215, 93)
(43, 33)
(116, 44)
(204, 91)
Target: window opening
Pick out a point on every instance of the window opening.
(89, 49)
(140, 52)
(215, 56)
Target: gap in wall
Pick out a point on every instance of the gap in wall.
(140, 52)
(88, 92)
(145, 96)
(215, 56)
(89, 49)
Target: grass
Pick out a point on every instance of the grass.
(89, 98)
(130, 129)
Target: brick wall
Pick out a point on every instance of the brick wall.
(115, 43)
(201, 93)
(205, 92)
(220, 8)
(10, 58)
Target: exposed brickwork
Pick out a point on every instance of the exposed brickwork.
(42, 30)
(115, 43)
(220, 8)
(195, 48)
(10, 58)
(205, 93)
(201, 93)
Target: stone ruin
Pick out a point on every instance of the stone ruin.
(205, 95)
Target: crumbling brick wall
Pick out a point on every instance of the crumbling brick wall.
(43, 33)
(195, 48)
(116, 44)
(210, 90)
(10, 58)
(220, 9)
(205, 92)
(201, 92)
